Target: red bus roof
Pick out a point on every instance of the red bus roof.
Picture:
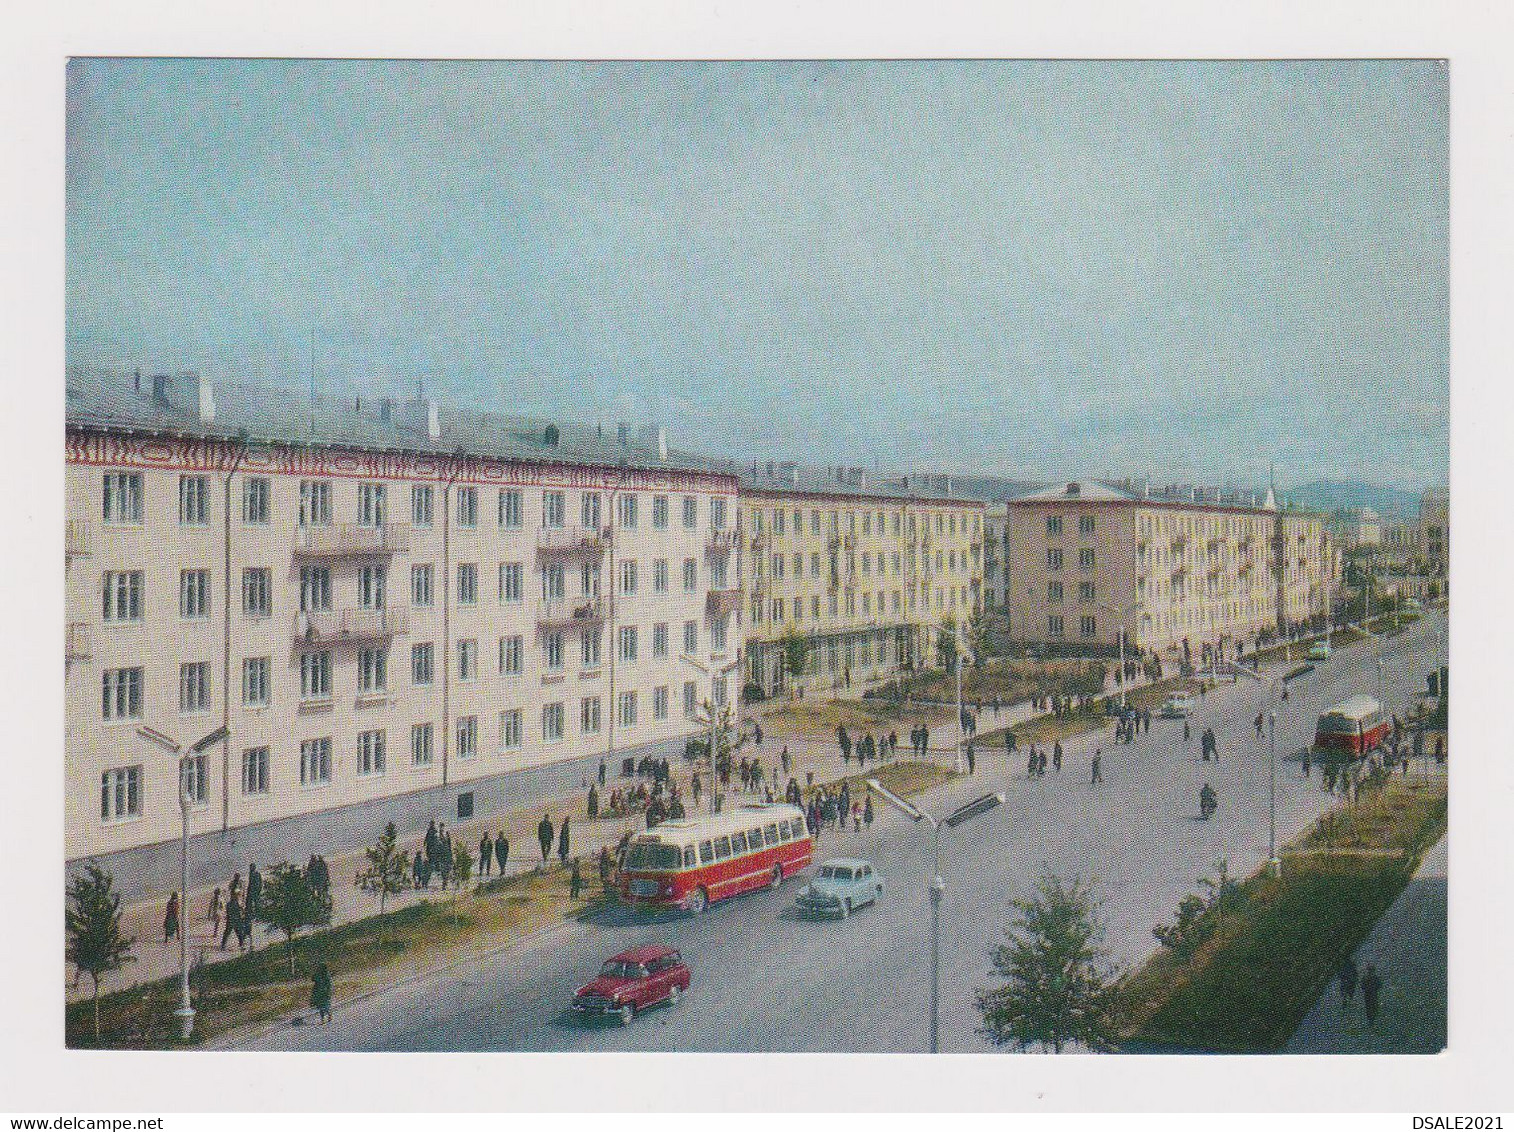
(1357, 708)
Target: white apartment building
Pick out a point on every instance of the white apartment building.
(389, 607)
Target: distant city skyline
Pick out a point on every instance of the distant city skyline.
(1184, 270)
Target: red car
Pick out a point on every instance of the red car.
(633, 981)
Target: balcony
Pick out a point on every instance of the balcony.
(76, 641)
(79, 539)
(586, 611)
(719, 603)
(719, 542)
(572, 540)
(351, 540)
(328, 625)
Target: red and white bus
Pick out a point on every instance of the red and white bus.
(1351, 729)
(690, 863)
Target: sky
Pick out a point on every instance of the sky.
(1189, 270)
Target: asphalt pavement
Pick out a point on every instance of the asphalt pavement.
(764, 980)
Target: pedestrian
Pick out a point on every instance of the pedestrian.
(1098, 758)
(1040, 764)
(1186, 733)
(1258, 725)
(696, 787)
(320, 992)
(254, 889)
(1056, 756)
(575, 881)
(563, 840)
(1346, 977)
(235, 890)
(604, 867)
(1372, 985)
(856, 817)
(544, 833)
(233, 921)
(485, 854)
(757, 733)
(783, 759)
(444, 858)
(972, 761)
(420, 875)
(1307, 763)
(867, 811)
(430, 841)
(501, 851)
(214, 915)
(601, 772)
(1440, 749)
(171, 919)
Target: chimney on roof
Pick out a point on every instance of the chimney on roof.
(419, 415)
(202, 396)
(655, 437)
(136, 380)
(770, 469)
(623, 435)
(160, 390)
(789, 471)
(386, 409)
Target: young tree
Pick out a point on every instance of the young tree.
(92, 926)
(946, 644)
(290, 902)
(388, 871)
(462, 865)
(795, 650)
(1057, 991)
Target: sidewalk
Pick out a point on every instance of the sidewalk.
(1408, 947)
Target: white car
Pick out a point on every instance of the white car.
(1320, 650)
(1178, 706)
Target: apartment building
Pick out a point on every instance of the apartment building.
(1174, 570)
(863, 568)
(389, 606)
(1435, 530)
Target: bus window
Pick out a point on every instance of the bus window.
(783, 830)
(688, 856)
(772, 832)
(738, 844)
(754, 839)
(722, 848)
(706, 852)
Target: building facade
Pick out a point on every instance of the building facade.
(389, 603)
(860, 572)
(1435, 530)
(1173, 574)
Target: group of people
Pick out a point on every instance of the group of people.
(1371, 984)
(544, 837)
(231, 916)
(867, 748)
(829, 809)
(1131, 724)
(434, 858)
(1035, 763)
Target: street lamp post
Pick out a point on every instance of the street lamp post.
(937, 886)
(1123, 613)
(186, 1012)
(1273, 864)
(714, 672)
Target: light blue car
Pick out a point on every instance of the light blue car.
(839, 887)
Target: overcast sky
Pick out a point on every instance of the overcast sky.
(1188, 270)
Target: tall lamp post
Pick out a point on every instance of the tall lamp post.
(937, 885)
(1273, 863)
(714, 672)
(186, 1012)
(1123, 613)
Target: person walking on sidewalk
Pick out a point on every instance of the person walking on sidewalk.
(485, 854)
(1372, 985)
(233, 921)
(171, 920)
(501, 851)
(1346, 978)
(1098, 759)
(563, 840)
(1056, 756)
(575, 881)
(320, 992)
(972, 761)
(867, 811)
(214, 914)
(420, 872)
(544, 833)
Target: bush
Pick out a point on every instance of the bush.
(753, 694)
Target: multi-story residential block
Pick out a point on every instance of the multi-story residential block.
(995, 557)
(1435, 530)
(862, 569)
(388, 606)
(1173, 572)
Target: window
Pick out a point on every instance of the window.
(422, 505)
(510, 509)
(122, 500)
(1054, 593)
(690, 637)
(553, 512)
(1085, 558)
(628, 577)
(255, 770)
(121, 793)
(738, 844)
(588, 579)
(511, 654)
(422, 664)
(1085, 592)
(370, 504)
(421, 585)
(660, 512)
(467, 583)
(628, 709)
(628, 644)
(722, 848)
(510, 576)
(372, 581)
(194, 495)
(690, 512)
(257, 591)
(315, 588)
(1054, 625)
(122, 693)
(255, 500)
(467, 736)
(718, 573)
(660, 576)
(717, 514)
(1053, 558)
(590, 641)
(257, 681)
(421, 748)
(123, 596)
(194, 687)
(1088, 626)
(315, 675)
(1085, 524)
(589, 510)
(717, 690)
(777, 565)
(1053, 525)
(690, 575)
(509, 728)
(194, 593)
(553, 582)
(552, 723)
(370, 753)
(315, 762)
(588, 715)
(660, 639)
(372, 670)
(690, 699)
(660, 702)
(551, 649)
(467, 506)
(315, 503)
(717, 632)
(467, 659)
(626, 511)
(196, 772)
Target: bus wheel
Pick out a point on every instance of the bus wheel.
(777, 877)
(699, 901)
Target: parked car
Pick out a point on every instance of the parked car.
(1320, 650)
(839, 888)
(1177, 706)
(633, 981)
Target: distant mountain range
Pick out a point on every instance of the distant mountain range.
(1328, 495)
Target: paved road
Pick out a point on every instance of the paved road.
(766, 981)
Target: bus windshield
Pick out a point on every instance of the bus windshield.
(653, 855)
